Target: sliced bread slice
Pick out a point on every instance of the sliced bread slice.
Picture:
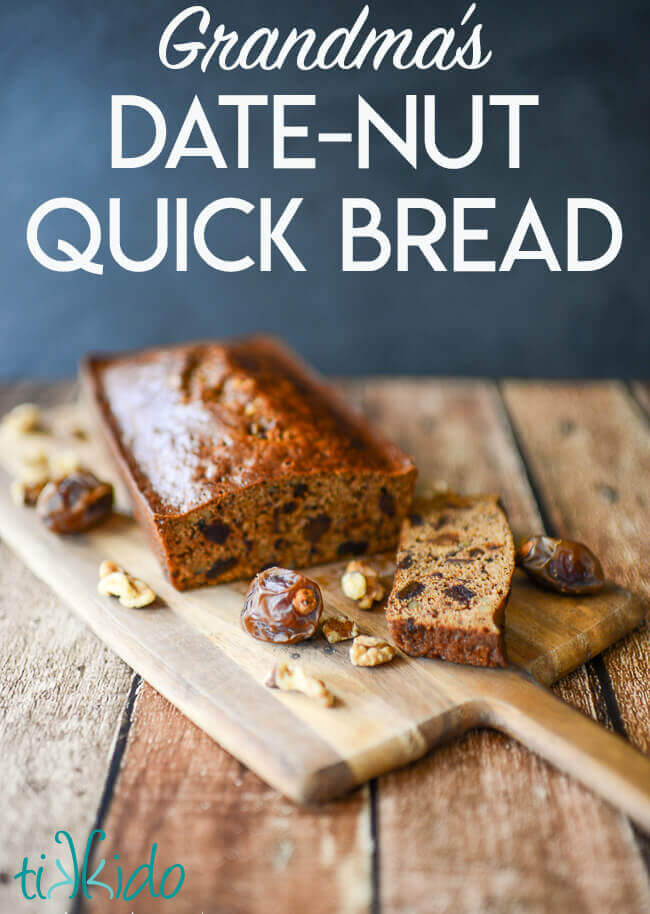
(455, 563)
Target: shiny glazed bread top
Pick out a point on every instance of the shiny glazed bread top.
(200, 421)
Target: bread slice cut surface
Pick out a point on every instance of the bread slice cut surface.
(455, 563)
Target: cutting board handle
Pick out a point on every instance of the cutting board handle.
(601, 760)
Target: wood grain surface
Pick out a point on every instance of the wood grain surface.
(481, 825)
(62, 699)
(641, 392)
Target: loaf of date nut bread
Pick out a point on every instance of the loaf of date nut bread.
(237, 457)
(455, 563)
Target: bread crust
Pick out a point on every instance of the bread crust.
(453, 644)
(318, 484)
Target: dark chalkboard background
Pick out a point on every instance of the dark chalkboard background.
(587, 60)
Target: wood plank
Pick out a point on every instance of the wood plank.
(598, 428)
(483, 824)
(244, 846)
(641, 391)
(62, 696)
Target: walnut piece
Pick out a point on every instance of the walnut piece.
(32, 478)
(292, 678)
(26, 488)
(36, 461)
(369, 651)
(114, 581)
(64, 463)
(339, 628)
(22, 420)
(354, 585)
(37, 470)
(361, 583)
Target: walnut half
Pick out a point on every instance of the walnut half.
(292, 678)
(116, 582)
(369, 651)
(29, 484)
(37, 471)
(22, 420)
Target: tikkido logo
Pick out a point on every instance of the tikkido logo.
(36, 883)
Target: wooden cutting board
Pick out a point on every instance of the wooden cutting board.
(191, 647)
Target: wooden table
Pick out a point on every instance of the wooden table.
(480, 826)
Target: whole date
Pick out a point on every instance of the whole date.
(561, 565)
(282, 606)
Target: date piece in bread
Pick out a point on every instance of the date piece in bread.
(455, 563)
(238, 457)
